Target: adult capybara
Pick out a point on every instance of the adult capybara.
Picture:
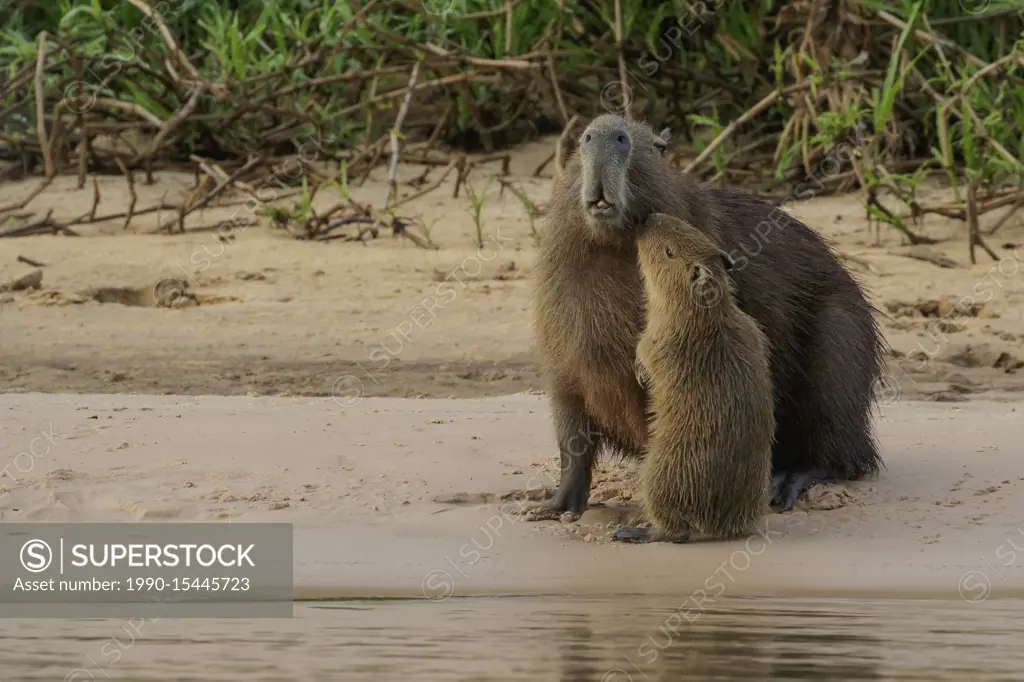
(826, 351)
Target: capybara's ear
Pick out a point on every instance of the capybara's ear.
(661, 141)
(727, 262)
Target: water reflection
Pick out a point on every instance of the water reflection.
(627, 639)
(738, 643)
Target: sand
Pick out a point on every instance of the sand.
(358, 469)
(279, 316)
(360, 485)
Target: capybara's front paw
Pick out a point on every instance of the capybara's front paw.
(639, 535)
(545, 511)
(632, 534)
(568, 503)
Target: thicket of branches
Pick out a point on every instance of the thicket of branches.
(760, 93)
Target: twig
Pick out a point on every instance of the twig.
(1006, 216)
(42, 226)
(475, 61)
(44, 143)
(95, 198)
(474, 16)
(981, 242)
(508, 27)
(930, 37)
(369, 119)
(972, 218)
(627, 104)
(464, 167)
(439, 128)
(18, 205)
(519, 194)
(173, 122)
(974, 234)
(129, 107)
(227, 182)
(416, 239)
(85, 219)
(959, 211)
(1001, 201)
(84, 149)
(872, 200)
(29, 261)
(426, 190)
(55, 131)
(543, 164)
(553, 77)
(154, 16)
(985, 70)
(395, 149)
(130, 178)
(378, 149)
(467, 76)
(765, 102)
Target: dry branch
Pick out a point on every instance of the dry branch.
(18, 205)
(395, 149)
(174, 121)
(28, 261)
(129, 177)
(44, 142)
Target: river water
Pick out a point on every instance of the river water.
(529, 639)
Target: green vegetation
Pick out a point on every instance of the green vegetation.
(476, 210)
(903, 89)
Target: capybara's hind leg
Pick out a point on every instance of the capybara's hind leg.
(579, 440)
(835, 431)
(787, 485)
(645, 535)
(789, 459)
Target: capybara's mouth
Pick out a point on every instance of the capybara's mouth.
(603, 208)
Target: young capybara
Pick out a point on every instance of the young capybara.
(707, 466)
(826, 352)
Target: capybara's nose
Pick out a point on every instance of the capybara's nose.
(616, 140)
(619, 141)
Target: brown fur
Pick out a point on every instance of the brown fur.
(825, 354)
(707, 468)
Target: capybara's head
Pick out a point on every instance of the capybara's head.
(621, 162)
(681, 264)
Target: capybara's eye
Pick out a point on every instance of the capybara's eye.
(668, 252)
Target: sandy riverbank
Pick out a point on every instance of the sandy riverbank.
(360, 483)
(277, 316)
(358, 474)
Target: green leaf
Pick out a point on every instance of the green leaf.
(893, 84)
